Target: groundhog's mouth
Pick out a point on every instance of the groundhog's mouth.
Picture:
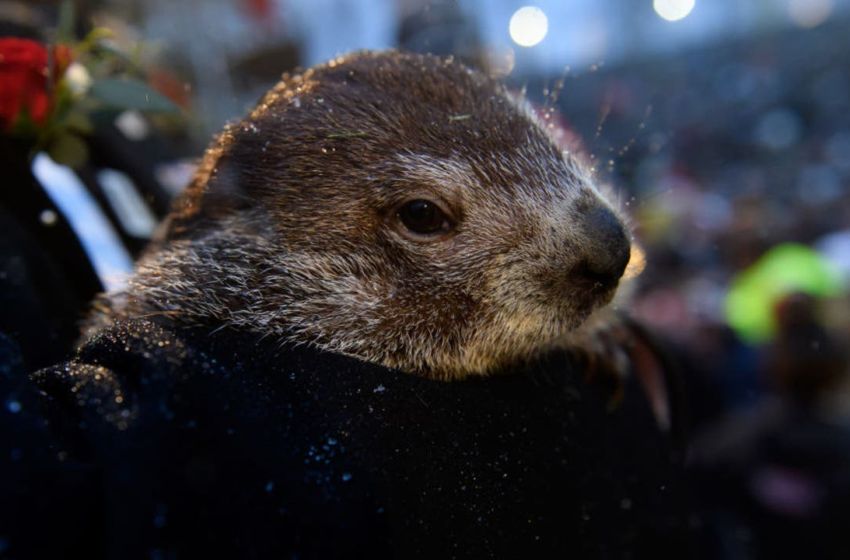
(582, 291)
(585, 301)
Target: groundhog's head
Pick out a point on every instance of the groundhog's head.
(395, 207)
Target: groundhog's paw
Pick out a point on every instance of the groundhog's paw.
(602, 346)
(614, 349)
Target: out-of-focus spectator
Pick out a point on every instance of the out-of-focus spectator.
(776, 481)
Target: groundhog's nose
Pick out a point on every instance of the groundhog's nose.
(608, 249)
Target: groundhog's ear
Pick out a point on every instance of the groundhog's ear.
(225, 191)
(216, 191)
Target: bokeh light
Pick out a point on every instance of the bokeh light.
(673, 10)
(528, 26)
(500, 61)
(809, 13)
(637, 262)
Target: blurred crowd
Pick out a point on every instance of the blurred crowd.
(723, 155)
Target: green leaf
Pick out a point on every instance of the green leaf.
(122, 93)
(111, 54)
(67, 19)
(93, 39)
(68, 149)
(23, 126)
(78, 122)
(98, 34)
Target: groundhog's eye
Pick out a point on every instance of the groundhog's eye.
(424, 219)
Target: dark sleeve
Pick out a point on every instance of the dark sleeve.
(49, 503)
(194, 444)
(180, 462)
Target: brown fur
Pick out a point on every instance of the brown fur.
(287, 228)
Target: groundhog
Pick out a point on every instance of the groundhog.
(399, 208)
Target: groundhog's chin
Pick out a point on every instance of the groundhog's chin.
(575, 312)
(603, 299)
(506, 345)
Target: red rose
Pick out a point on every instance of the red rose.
(23, 79)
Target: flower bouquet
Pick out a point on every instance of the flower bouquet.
(61, 99)
(52, 97)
